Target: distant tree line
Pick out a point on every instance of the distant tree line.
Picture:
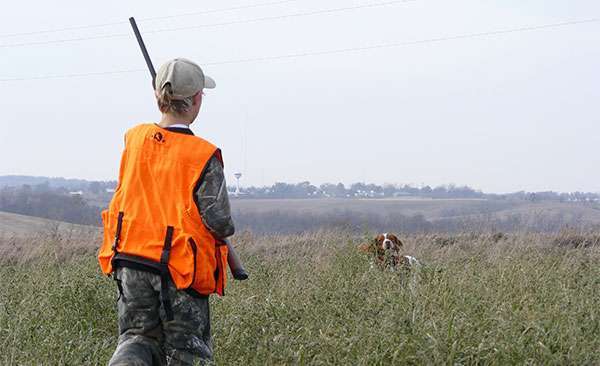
(100, 192)
(45, 202)
(56, 183)
(362, 190)
(357, 190)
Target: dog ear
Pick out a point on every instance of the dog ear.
(396, 241)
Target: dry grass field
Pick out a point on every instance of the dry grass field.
(312, 299)
(413, 215)
(432, 209)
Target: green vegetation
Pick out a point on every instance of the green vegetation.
(313, 299)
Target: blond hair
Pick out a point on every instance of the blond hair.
(167, 104)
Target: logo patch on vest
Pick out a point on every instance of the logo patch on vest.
(158, 137)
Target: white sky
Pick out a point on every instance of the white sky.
(499, 113)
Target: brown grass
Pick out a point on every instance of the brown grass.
(312, 298)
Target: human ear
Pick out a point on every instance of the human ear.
(197, 99)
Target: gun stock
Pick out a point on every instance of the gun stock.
(235, 264)
(237, 268)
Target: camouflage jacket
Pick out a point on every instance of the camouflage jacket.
(213, 201)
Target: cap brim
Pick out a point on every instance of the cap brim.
(209, 83)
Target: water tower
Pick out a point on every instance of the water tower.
(237, 176)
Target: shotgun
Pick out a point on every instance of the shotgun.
(234, 262)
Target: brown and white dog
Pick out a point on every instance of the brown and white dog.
(387, 250)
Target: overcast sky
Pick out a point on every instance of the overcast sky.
(499, 113)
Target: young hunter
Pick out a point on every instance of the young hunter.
(165, 229)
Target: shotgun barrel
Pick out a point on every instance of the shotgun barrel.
(234, 262)
(140, 41)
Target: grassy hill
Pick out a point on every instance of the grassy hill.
(14, 225)
(24, 239)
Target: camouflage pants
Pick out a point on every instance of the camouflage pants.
(146, 337)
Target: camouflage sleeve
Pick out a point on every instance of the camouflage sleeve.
(213, 200)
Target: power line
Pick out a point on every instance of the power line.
(220, 10)
(404, 43)
(68, 76)
(106, 36)
(277, 17)
(211, 25)
(56, 30)
(102, 25)
(340, 50)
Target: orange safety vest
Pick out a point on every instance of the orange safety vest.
(153, 215)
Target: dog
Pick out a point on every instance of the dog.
(388, 252)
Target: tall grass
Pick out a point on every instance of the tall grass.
(313, 299)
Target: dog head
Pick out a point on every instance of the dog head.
(385, 242)
(386, 249)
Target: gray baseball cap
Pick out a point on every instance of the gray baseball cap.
(186, 78)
